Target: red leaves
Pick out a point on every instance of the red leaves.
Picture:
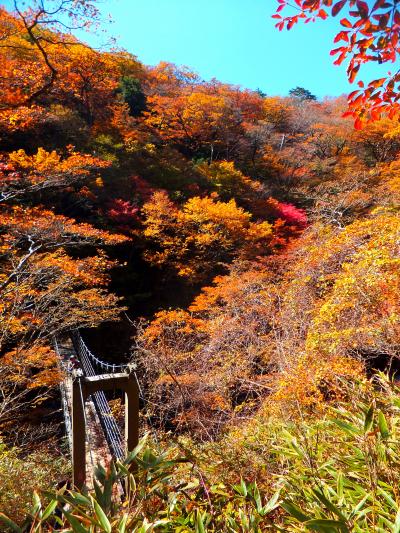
(335, 51)
(371, 33)
(338, 7)
(353, 73)
(342, 36)
(383, 20)
(378, 4)
(358, 124)
(363, 9)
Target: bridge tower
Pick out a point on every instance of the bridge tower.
(82, 388)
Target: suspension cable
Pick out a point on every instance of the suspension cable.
(111, 430)
(101, 364)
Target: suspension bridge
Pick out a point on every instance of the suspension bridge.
(93, 434)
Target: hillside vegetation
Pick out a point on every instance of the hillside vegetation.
(246, 244)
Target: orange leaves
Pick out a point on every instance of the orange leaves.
(43, 289)
(203, 115)
(342, 36)
(53, 231)
(33, 367)
(322, 14)
(34, 42)
(346, 23)
(210, 353)
(304, 383)
(22, 174)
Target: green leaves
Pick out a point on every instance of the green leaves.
(102, 518)
(293, 510)
(383, 426)
(9, 523)
(369, 419)
(326, 526)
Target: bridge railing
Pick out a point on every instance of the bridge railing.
(109, 425)
(64, 398)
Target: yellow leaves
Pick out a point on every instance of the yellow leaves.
(277, 111)
(229, 181)
(44, 162)
(217, 217)
(259, 231)
(352, 316)
(41, 161)
(201, 234)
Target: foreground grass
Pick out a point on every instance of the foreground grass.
(335, 472)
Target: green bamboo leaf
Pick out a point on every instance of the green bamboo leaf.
(9, 523)
(199, 524)
(49, 509)
(134, 453)
(241, 489)
(383, 426)
(103, 520)
(293, 510)
(369, 419)
(339, 487)
(37, 504)
(121, 527)
(76, 498)
(348, 428)
(271, 504)
(396, 525)
(387, 497)
(257, 497)
(98, 492)
(358, 507)
(77, 527)
(325, 525)
(329, 505)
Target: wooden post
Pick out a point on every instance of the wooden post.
(78, 433)
(131, 414)
(83, 387)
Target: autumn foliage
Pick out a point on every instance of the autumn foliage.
(250, 242)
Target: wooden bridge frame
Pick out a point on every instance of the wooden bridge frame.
(82, 388)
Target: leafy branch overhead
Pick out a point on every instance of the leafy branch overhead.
(369, 32)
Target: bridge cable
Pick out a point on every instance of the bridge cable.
(104, 413)
(109, 425)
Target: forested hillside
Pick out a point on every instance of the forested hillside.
(241, 248)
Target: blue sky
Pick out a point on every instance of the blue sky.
(234, 41)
